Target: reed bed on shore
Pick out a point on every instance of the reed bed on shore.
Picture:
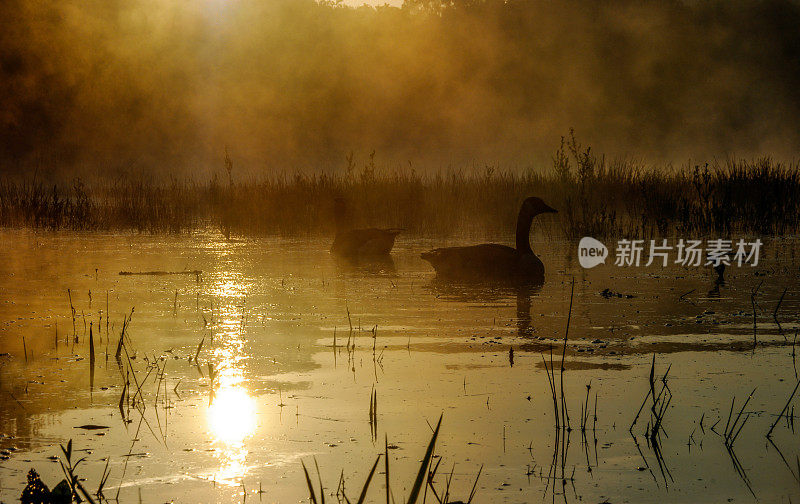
(594, 196)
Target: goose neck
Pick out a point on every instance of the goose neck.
(524, 221)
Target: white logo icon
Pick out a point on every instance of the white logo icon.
(591, 252)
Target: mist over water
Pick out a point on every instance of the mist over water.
(162, 87)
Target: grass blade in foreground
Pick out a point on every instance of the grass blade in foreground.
(423, 469)
(312, 496)
(363, 496)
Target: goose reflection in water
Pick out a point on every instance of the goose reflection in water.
(523, 294)
(366, 265)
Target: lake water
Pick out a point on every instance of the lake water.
(294, 343)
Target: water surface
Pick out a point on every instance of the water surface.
(294, 343)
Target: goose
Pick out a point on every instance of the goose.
(492, 262)
(354, 243)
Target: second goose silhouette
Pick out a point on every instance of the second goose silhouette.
(491, 262)
(354, 243)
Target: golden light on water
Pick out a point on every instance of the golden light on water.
(231, 413)
(231, 416)
(231, 420)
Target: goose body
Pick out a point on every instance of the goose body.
(493, 262)
(364, 242)
(487, 261)
(354, 243)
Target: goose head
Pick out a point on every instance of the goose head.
(534, 206)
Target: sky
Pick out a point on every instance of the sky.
(113, 87)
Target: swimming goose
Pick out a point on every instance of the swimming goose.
(492, 262)
(355, 243)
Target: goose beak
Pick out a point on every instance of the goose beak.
(548, 209)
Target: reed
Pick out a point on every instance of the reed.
(72, 309)
(91, 357)
(731, 433)
(757, 196)
(69, 466)
(373, 413)
(421, 482)
(660, 398)
(732, 429)
(199, 347)
(753, 294)
(783, 411)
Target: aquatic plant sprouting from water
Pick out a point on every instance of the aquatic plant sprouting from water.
(422, 482)
(789, 418)
(69, 467)
(660, 397)
(70, 489)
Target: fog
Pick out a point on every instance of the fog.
(163, 87)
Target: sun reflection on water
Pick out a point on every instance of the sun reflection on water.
(231, 416)
(231, 420)
(231, 412)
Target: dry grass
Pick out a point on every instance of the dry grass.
(594, 197)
